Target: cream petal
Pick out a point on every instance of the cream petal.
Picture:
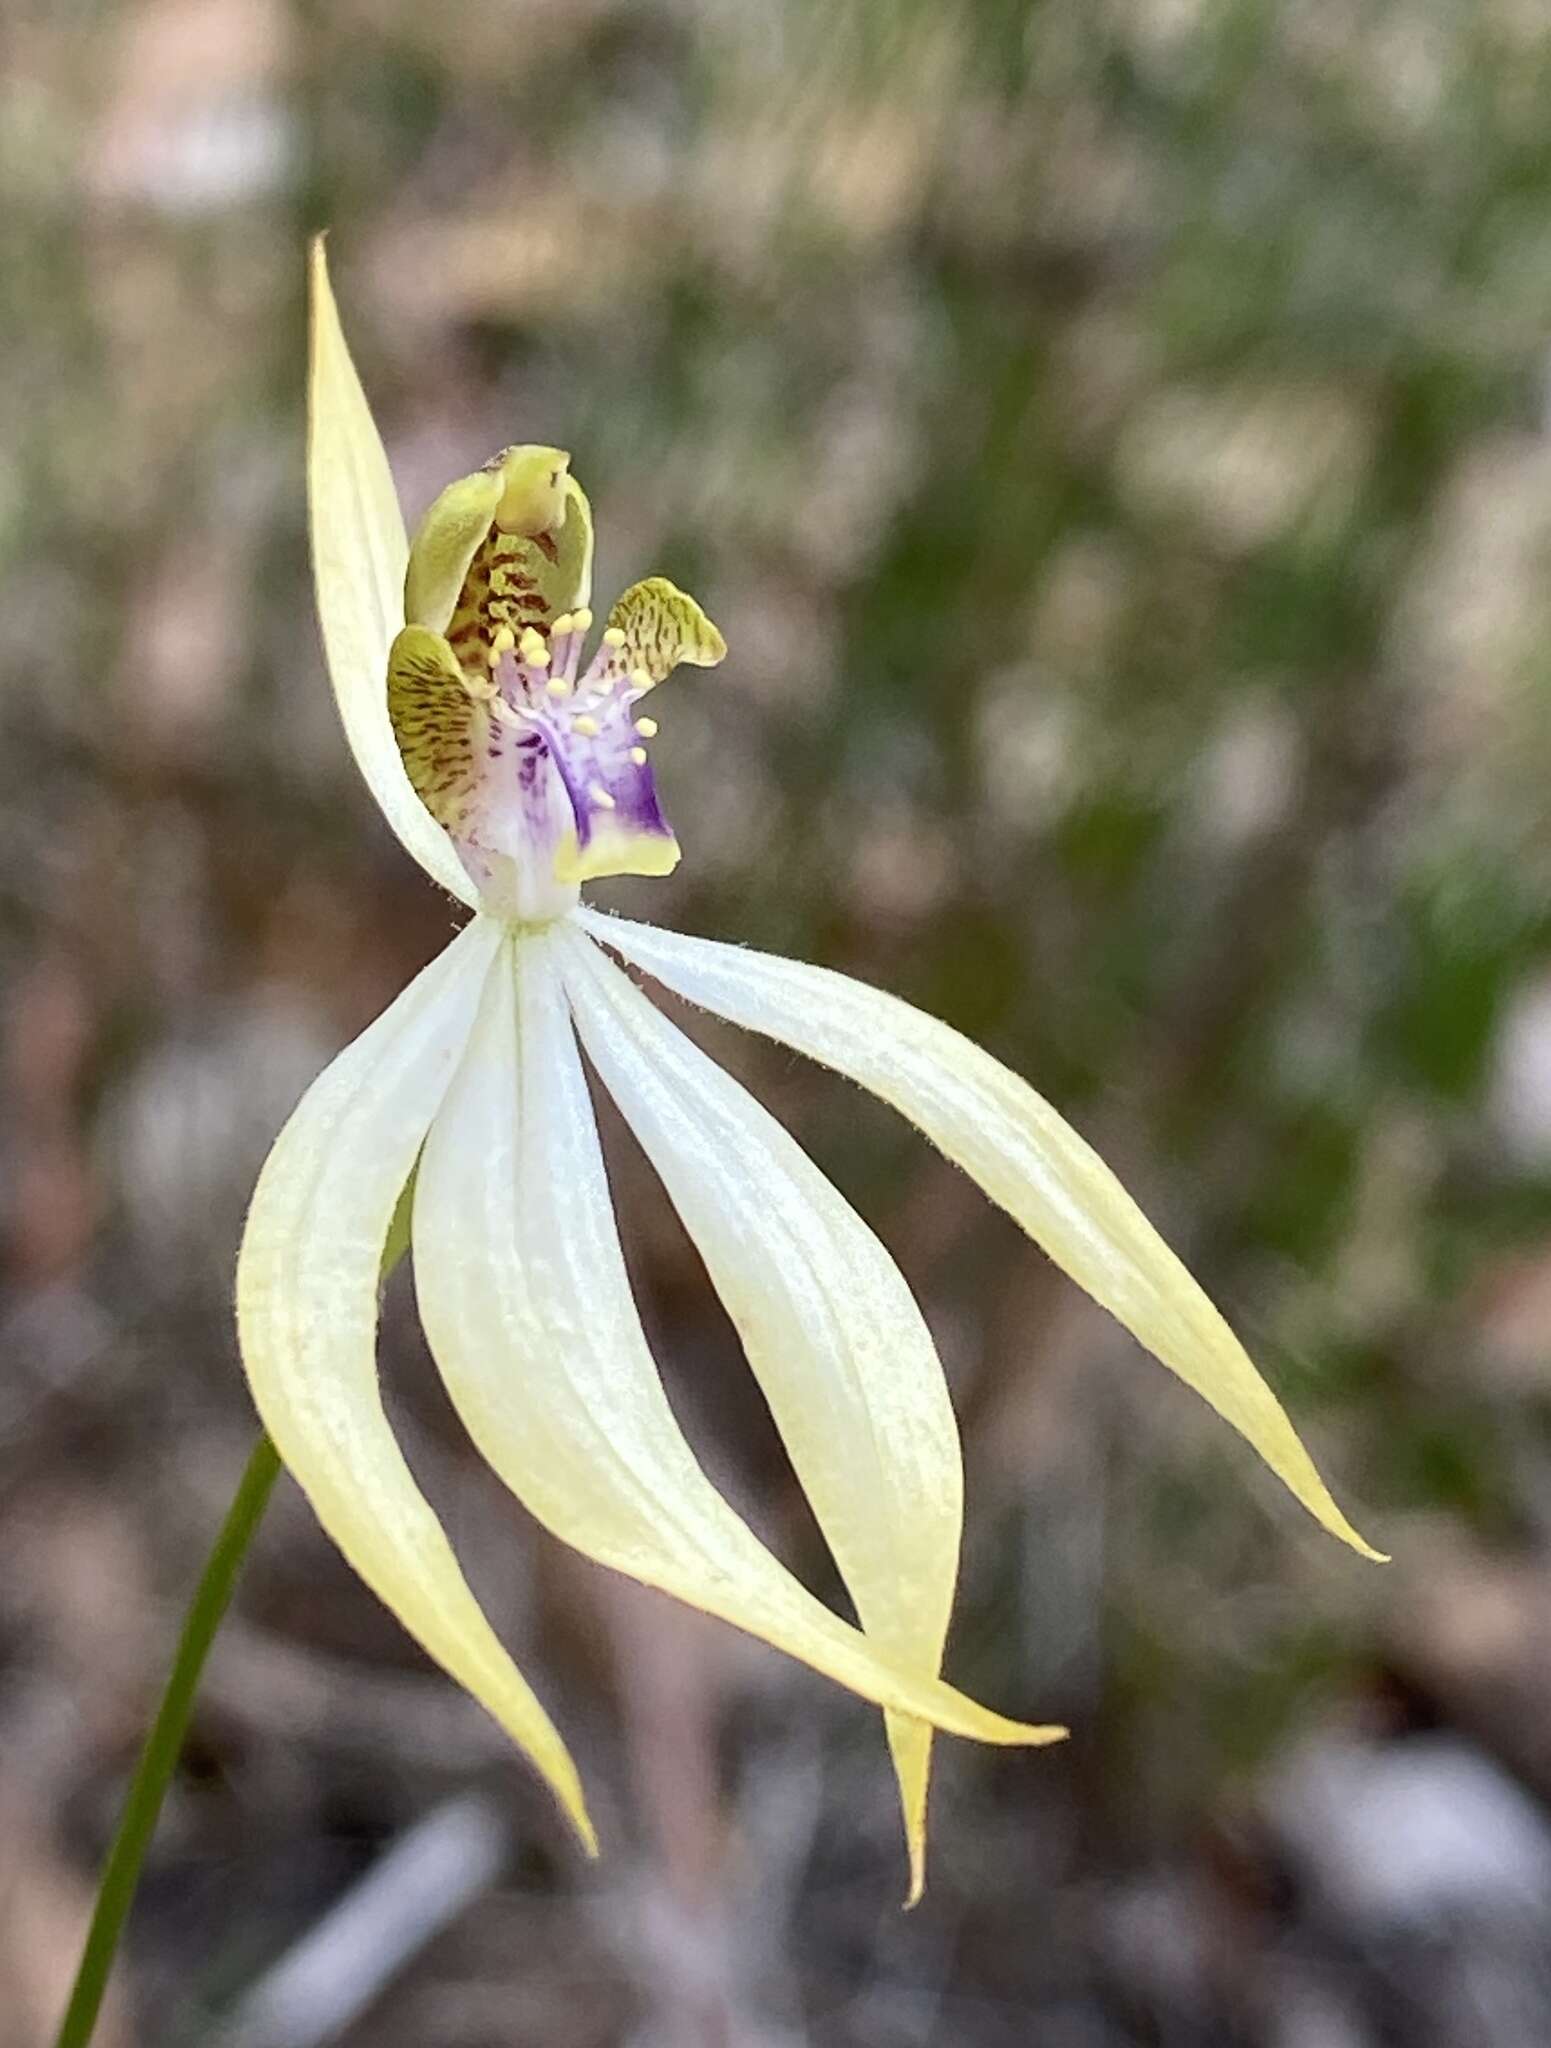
(307, 1283)
(359, 552)
(831, 1331)
(1014, 1144)
(525, 1299)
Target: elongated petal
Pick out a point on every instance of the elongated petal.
(1015, 1145)
(358, 557)
(307, 1313)
(832, 1332)
(524, 1297)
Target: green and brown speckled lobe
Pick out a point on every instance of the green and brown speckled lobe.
(663, 626)
(443, 725)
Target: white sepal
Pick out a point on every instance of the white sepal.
(526, 1303)
(307, 1286)
(829, 1326)
(359, 554)
(1010, 1140)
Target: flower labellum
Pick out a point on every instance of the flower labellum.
(514, 765)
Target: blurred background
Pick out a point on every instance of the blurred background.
(1115, 437)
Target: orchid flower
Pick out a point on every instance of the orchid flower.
(515, 768)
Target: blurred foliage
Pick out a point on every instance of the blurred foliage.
(1113, 438)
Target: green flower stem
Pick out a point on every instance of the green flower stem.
(148, 1787)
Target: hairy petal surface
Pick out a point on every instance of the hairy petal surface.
(1010, 1140)
(831, 1331)
(359, 553)
(307, 1283)
(525, 1299)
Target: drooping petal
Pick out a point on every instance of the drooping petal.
(307, 1284)
(524, 1297)
(831, 1331)
(1014, 1144)
(358, 556)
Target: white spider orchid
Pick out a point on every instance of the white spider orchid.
(513, 775)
